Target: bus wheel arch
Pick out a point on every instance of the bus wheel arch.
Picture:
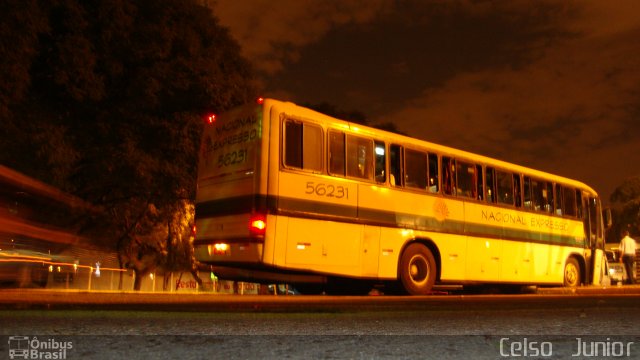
(573, 273)
(418, 267)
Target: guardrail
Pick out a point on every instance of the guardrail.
(41, 271)
(110, 279)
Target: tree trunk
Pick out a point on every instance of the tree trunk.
(120, 264)
(196, 277)
(139, 274)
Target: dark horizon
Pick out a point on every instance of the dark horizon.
(551, 85)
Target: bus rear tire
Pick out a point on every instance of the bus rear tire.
(417, 270)
(572, 273)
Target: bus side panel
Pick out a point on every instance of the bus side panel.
(391, 241)
(334, 250)
(269, 127)
(492, 259)
(276, 246)
(484, 261)
(311, 201)
(432, 217)
(549, 262)
(319, 196)
(273, 248)
(453, 253)
(370, 250)
(516, 264)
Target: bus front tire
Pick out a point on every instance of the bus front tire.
(417, 271)
(572, 273)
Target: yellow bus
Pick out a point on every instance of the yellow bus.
(289, 195)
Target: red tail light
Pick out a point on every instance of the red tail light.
(211, 118)
(260, 100)
(258, 224)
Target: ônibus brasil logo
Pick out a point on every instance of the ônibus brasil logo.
(25, 347)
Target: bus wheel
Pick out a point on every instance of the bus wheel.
(417, 270)
(571, 273)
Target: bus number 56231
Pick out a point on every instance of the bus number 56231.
(327, 190)
(232, 158)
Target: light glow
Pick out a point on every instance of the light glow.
(221, 247)
(258, 224)
(218, 249)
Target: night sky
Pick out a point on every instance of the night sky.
(553, 85)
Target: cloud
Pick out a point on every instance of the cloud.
(605, 18)
(272, 32)
(578, 101)
(549, 84)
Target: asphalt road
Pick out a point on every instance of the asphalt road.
(150, 326)
(553, 298)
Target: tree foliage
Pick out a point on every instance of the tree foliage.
(332, 110)
(352, 116)
(104, 99)
(625, 201)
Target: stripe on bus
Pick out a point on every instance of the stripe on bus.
(352, 214)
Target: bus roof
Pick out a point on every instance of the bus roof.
(309, 114)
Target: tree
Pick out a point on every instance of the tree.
(625, 201)
(352, 116)
(332, 110)
(109, 106)
(389, 126)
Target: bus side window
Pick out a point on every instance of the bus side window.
(293, 144)
(433, 173)
(528, 193)
(558, 198)
(490, 189)
(448, 175)
(381, 162)
(303, 146)
(466, 179)
(504, 183)
(395, 165)
(579, 213)
(569, 201)
(517, 194)
(336, 153)
(359, 157)
(541, 194)
(550, 205)
(415, 169)
(479, 183)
